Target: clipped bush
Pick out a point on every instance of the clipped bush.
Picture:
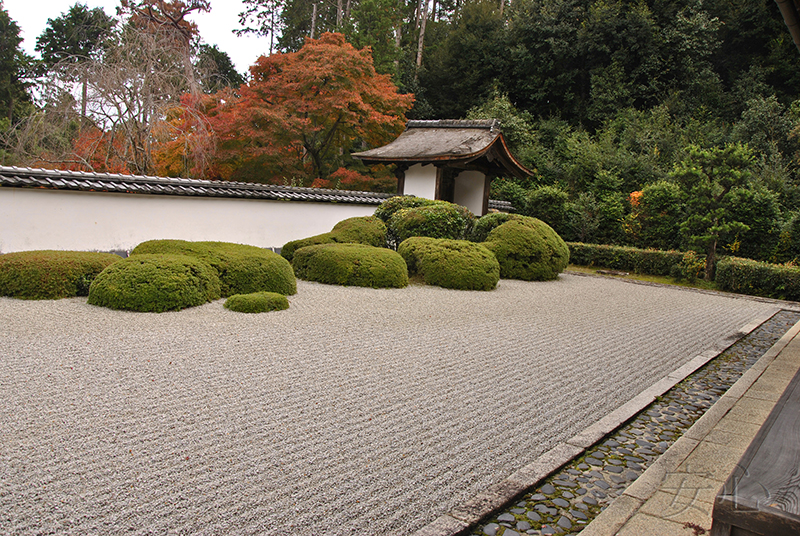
(368, 230)
(351, 264)
(746, 276)
(50, 275)
(241, 269)
(386, 210)
(528, 249)
(257, 302)
(456, 264)
(641, 261)
(484, 225)
(155, 283)
(440, 220)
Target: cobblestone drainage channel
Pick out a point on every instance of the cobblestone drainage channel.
(568, 500)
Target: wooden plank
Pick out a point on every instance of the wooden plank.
(762, 495)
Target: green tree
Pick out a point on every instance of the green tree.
(714, 183)
(71, 40)
(464, 68)
(216, 69)
(13, 62)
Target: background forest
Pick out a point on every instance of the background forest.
(666, 124)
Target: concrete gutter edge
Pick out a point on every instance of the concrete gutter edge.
(644, 487)
(463, 518)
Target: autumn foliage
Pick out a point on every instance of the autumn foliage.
(301, 114)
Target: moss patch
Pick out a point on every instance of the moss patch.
(50, 275)
(528, 249)
(257, 302)
(155, 283)
(351, 264)
(368, 230)
(456, 264)
(241, 269)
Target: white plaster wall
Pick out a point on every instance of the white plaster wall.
(421, 181)
(468, 190)
(96, 221)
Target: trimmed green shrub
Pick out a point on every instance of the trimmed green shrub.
(368, 230)
(457, 264)
(641, 261)
(386, 210)
(257, 302)
(155, 283)
(50, 275)
(758, 278)
(440, 220)
(484, 225)
(241, 269)
(528, 249)
(351, 264)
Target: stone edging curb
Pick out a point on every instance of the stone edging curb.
(462, 518)
(644, 487)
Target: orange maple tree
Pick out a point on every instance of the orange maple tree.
(302, 113)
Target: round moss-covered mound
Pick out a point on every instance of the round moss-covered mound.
(241, 269)
(351, 265)
(386, 210)
(484, 225)
(441, 220)
(528, 249)
(50, 275)
(367, 230)
(456, 264)
(257, 302)
(155, 283)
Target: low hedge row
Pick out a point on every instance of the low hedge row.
(241, 269)
(641, 261)
(369, 230)
(351, 265)
(155, 283)
(755, 278)
(50, 275)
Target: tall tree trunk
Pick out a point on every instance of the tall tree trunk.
(347, 11)
(313, 20)
(502, 5)
(398, 40)
(711, 260)
(339, 14)
(424, 17)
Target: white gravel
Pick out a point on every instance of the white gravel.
(356, 411)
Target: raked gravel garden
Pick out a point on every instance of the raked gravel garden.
(356, 410)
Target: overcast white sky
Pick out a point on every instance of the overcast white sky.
(215, 26)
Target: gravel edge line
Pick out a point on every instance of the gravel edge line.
(461, 519)
(785, 304)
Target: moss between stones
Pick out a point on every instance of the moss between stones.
(528, 249)
(50, 275)
(456, 264)
(155, 283)
(351, 264)
(257, 302)
(368, 230)
(241, 269)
